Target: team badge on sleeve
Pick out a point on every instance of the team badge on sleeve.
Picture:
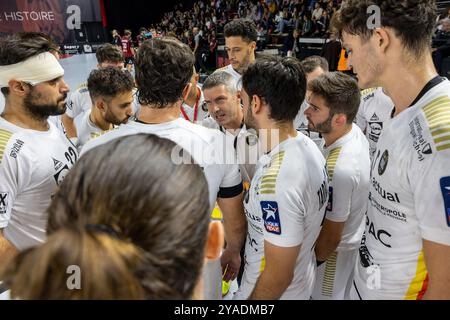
(445, 187)
(271, 216)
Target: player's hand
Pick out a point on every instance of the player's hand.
(231, 262)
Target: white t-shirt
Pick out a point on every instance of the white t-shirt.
(32, 164)
(409, 199)
(190, 110)
(78, 101)
(374, 110)
(206, 146)
(236, 76)
(244, 143)
(87, 130)
(286, 206)
(301, 125)
(348, 165)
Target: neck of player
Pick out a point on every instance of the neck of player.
(192, 97)
(414, 76)
(336, 134)
(97, 119)
(271, 135)
(153, 115)
(18, 115)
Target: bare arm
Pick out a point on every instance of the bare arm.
(437, 260)
(235, 225)
(278, 272)
(69, 126)
(7, 250)
(329, 239)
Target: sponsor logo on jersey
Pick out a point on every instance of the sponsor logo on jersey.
(380, 235)
(421, 146)
(364, 254)
(445, 188)
(57, 164)
(16, 148)
(393, 197)
(4, 138)
(3, 202)
(382, 165)
(375, 130)
(69, 104)
(374, 117)
(271, 216)
(330, 199)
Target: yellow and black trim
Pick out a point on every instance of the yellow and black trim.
(331, 161)
(269, 180)
(437, 113)
(4, 138)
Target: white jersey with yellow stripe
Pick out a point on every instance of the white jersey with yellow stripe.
(373, 113)
(285, 206)
(32, 164)
(409, 199)
(348, 165)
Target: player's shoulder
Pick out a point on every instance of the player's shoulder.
(436, 111)
(82, 88)
(200, 132)
(368, 94)
(99, 138)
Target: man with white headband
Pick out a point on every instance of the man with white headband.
(34, 155)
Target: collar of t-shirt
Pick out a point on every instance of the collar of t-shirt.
(342, 140)
(430, 85)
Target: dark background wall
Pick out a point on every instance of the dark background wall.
(133, 14)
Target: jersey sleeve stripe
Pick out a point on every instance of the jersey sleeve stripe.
(437, 113)
(269, 180)
(419, 283)
(4, 138)
(329, 275)
(331, 161)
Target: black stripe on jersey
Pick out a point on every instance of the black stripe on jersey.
(354, 284)
(230, 192)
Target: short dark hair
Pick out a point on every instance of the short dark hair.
(340, 92)
(109, 53)
(281, 82)
(241, 28)
(109, 82)
(164, 212)
(164, 66)
(412, 20)
(23, 45)
(220, 78)
(312, 62)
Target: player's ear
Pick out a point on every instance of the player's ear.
(100, 104)
(215, 242)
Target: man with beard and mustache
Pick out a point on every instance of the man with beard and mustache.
(286, 203)
(34, 155)
(240, 44)
(111, 91)
(333, 104)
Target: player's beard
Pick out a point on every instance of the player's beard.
(323, 128)
(111, 118)
(249, 120)
(42, 110)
